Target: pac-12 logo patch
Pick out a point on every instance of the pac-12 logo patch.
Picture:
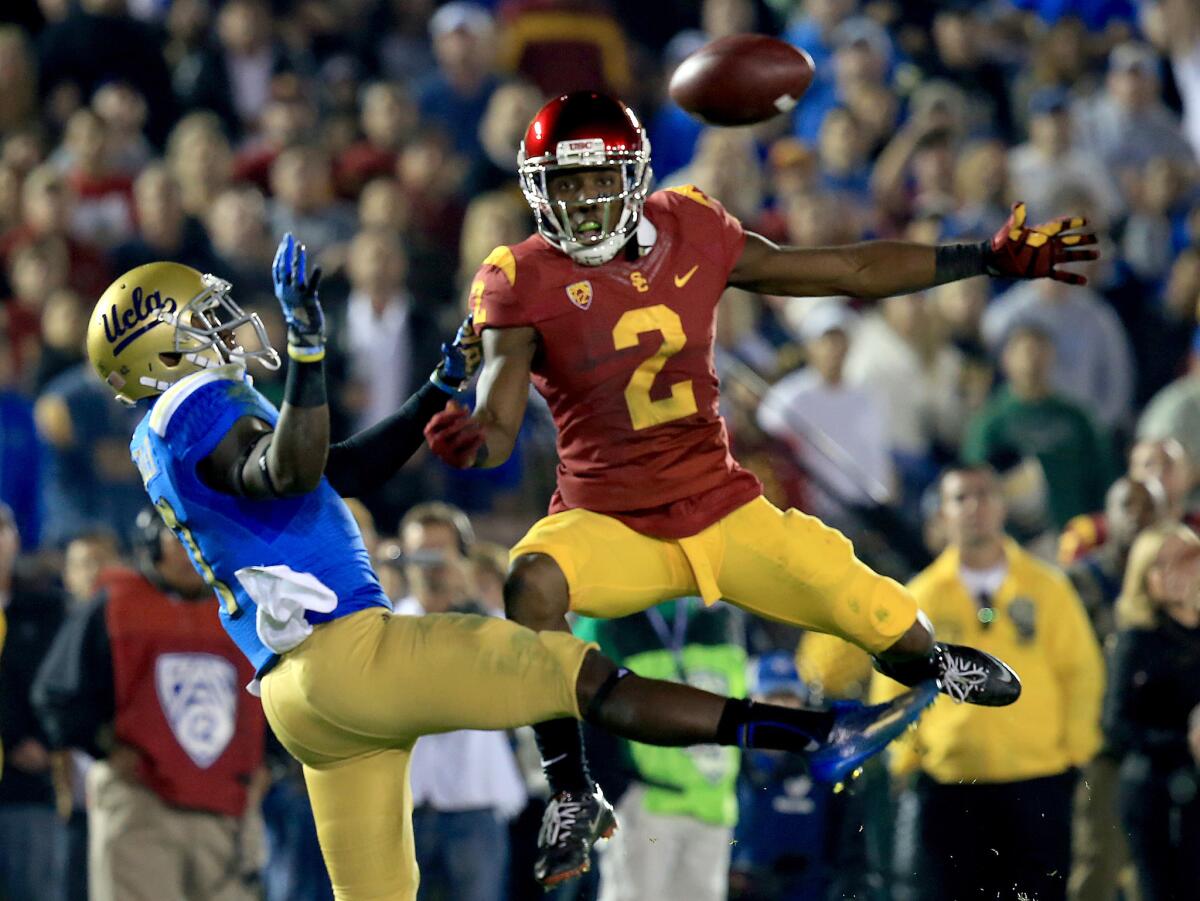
(198, 694)
(580, 294)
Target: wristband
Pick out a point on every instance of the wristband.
(953, 262)
(438, 382)
(305, 386)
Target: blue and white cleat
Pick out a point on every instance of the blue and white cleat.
(860, 732)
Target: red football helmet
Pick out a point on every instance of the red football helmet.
(586, 130)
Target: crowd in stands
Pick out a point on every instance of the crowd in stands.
(384, 134)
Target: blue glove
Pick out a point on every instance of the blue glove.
(297, 295)
(460, 359)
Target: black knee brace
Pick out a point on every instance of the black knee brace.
(605, 689)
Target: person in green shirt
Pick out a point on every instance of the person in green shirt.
(677, 816)
(1026, 418)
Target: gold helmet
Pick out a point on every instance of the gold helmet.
(163, 321)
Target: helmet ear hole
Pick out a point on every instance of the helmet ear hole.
(170, 359)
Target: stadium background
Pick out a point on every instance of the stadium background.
(384, 134)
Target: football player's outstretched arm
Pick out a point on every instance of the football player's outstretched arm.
(875, 269)
(363, 462)
(254, 460)
(486, 438)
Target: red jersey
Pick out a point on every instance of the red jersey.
(625, 362)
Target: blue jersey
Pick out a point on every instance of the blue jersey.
(227, 537)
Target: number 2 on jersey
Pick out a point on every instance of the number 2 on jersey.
(643, 411)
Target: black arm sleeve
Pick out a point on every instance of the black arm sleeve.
(363, 462)
(73, 692)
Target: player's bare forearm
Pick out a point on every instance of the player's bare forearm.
(871, 269)
(503, 391)
(253, 460)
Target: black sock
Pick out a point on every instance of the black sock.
(561, 745)
(769, 727)
(912, 671)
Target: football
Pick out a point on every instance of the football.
(741, 79)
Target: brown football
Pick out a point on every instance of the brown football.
(741, 79)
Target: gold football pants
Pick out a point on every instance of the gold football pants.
(350, 702)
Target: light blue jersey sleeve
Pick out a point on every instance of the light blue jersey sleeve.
(311, 539)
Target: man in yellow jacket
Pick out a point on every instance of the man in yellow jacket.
(989, 814)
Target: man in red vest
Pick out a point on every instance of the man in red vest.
(146, 679)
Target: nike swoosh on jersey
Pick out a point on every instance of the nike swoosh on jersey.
(681, 280)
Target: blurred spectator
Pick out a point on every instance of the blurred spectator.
(32, 841)
(18, 71)
(1174, 412)
(1165, 461)
(286, 122)
(863, 55)
(455, 96)
(47, 202)
(234, 77)
(813, 28)
(1093, 363)
(386, 334)
(1161, 463)
(303, 201)
(960, 55)
(199, 156)
(64, 329)
(1026, 418)
(90, 479)
(981, 190)
(1128, 123)
(103, 209)
(123, 111)
(465, 785)
(403, 44)
(838, 432)
(727, 166)
(842, 163)
(85, 556)
(492, 219)
(916, 378)
(10, 197)
(914, 174)
(671, 131)
(677, 815)
(1160, 192)
(20, 456)
(565, 45)
(99, 42)
(388, 118)
(1053, 159)
(145, 678)
(237, 223)
(1153, 696)
(164, 230)
(991, 804)
(1180, 36)
(1100, 850)
(37, 270)
(501, 130)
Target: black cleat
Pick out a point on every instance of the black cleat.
(972, 676)
(572, 823)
